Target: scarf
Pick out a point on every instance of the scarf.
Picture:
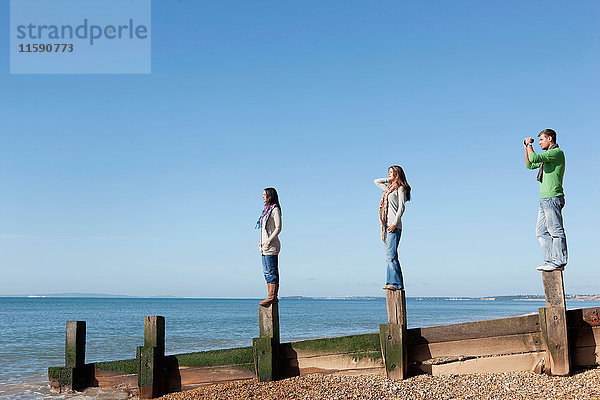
(264, 216)
(383, 206)
(540, 174)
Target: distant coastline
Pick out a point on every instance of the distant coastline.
(525, 297)
(86, 295)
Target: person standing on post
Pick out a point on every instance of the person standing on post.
(549, 229)
(396, 192)
(269, 224)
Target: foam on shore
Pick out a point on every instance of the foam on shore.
(40, 390)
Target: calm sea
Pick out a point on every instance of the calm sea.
(33, 329)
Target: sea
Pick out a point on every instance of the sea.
(32, 329)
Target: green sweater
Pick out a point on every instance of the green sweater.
(554, 170)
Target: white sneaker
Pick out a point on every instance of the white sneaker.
(549, 268)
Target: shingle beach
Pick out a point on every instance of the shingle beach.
(514, 385)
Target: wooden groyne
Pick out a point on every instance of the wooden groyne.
(553, 341)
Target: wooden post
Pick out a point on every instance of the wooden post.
(395, 302)
(265, 346)
(154, 333)
(75, 375)
(553, 322)
(554, 289)
(150, 359)
(75, 344)
(392, 336)
(268, 320)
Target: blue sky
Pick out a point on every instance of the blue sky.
(151, 184)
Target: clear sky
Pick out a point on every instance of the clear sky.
(151, 184)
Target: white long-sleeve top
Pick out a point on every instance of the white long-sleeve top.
(396, 200)
(269, 233)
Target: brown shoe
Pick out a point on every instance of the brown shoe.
(272, 296)
(390, 287)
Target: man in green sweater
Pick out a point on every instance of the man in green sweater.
(549, 229)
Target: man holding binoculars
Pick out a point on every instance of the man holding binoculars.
(549, 229)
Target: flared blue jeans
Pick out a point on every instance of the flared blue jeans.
(394, 272)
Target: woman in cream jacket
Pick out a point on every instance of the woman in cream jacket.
(269, 223)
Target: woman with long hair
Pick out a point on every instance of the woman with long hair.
(269, 224)
(396, 192)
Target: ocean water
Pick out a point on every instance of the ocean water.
(33, 329)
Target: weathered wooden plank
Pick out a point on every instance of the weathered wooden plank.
(554, 288)
(368, 342)
(395, 301)
(508, 363)
(195, 376)
(553, 321)
(361, 371)
(586, 356)
(473, 330)
(223, 373)
(585, 346)
(114, 379)
(188, 377)
(287, 352)
(338, 362)
(584, 337)
(496, 345)
(268, 320)
(583, 317)
(393, 350)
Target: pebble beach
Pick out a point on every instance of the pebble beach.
(515, 385)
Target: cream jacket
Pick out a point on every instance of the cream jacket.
(269, 233)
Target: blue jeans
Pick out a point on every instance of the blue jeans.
(270, 265)
(394, 272)
(550, 232)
